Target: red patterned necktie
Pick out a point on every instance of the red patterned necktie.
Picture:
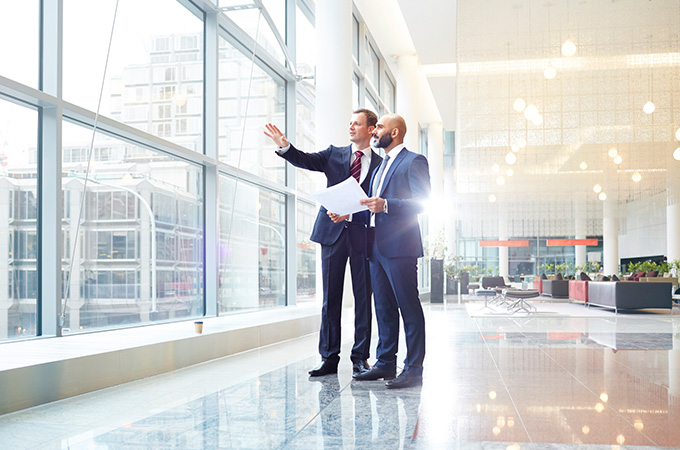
(355, 169)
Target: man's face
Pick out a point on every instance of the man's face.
(359, 132)
(382, 137)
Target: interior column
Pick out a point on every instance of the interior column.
(610, 234)
(580, 229)
(407, 96)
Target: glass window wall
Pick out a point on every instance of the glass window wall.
(154, 76)
(18, 213)
(248, 98)
(252, 247)
(139, 255)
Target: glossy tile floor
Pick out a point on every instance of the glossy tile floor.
(610, 382)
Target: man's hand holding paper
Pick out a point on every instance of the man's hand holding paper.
(342, 199)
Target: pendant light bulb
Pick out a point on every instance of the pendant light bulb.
(568, 48)
(649, 107)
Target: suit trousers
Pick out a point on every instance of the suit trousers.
(350, 244)
(395, 286)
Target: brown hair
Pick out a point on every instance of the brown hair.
(371, 117)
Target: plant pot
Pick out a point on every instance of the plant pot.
(436, 281)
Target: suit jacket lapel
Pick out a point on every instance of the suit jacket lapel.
(397, 160)
(347, 160)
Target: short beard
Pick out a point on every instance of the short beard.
(382, 142)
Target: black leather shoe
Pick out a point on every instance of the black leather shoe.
(375, 374)
(360, 366)
(405, 380)
(325, 368)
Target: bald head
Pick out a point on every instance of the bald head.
(389, 132)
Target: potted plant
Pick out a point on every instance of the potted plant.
(674, 267)
(452, 272)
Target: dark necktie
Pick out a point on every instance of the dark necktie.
(378, 176)
(355, 169)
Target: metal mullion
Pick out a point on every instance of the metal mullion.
(48, 305)
(291, 198)
(233, 34)
(211, 176)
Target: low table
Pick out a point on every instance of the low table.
(518, 299)
(486, 293)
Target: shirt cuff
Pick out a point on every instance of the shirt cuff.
(349, 219)
(283, 150)
(385, 211)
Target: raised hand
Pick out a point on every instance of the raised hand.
(275, 135)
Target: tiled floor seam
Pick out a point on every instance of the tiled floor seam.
(505, 386)
(594, 393)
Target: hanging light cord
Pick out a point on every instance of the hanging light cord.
(67, 292)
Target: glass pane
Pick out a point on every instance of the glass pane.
(154, 79)
(18, 212)
(306, 252)
(252, 22)
(306, 180)
(355, 93)
(388, 93)
(252, 247)
(372, 68)
(19, 34)
(305, 38)
(355, 39)
(139, 253)
(245, 105)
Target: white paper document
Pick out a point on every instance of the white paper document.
(343, 198)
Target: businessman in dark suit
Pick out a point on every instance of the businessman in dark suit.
(398, 192)
(341, 237)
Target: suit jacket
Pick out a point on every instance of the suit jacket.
(406, 188)
(335, 163)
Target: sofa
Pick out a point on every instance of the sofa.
(558, 287)
(493, 282)
(578, 290)
(626, 295)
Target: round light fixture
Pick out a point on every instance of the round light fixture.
(522, 143)
(495, 168)
(500, 180)
(530, 112)
(676, 154)
(585, 429)
(514, 148)
(510, 172)
(613, 152)
(511, 158)
(597, 189)
(649, 107)
(538, 120)
(637, 177)
(618, 159)
(492, 199)
(583, 165)
(568, 48)
(638, 424)
(620, 439)
(549, 72)
(602, 196)
(519, 105)
(677, 134)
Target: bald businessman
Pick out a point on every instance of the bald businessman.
(398, 192)
(341, 238)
